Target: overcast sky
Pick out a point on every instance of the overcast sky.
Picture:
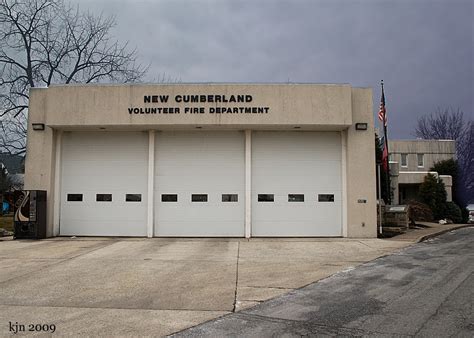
(422, 49)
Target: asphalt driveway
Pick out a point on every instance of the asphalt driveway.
(110, 286)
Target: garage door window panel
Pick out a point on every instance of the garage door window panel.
(326, 198)
(74, 198)
(295, 197)
(230, 198)
(169, 198)
(103, 197)
(266, 198)
(199, 198)
(133, 197)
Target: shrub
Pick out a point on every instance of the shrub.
(433, 193)
(419, 212)
(453, 212)
(465, 215)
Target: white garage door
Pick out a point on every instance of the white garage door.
(296, 184)
(199, 184)
(104, 184)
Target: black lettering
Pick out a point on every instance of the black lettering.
(147, 99)
(210, 98)
(232, 98)
(240, 98)
(194, 98)
(130, 110)
(218, 98)
(154, 98)
(248, 98)
(248, 110)
(203, 98)
(178, 98)
(212, 110)
(164, 98)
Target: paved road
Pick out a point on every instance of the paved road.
(425, 290)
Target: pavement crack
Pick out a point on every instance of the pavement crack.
(269, 287)
(236, 277)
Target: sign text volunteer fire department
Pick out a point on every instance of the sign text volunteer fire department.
(241, 98)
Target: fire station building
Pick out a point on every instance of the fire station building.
(204, 160)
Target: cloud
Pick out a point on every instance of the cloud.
(422, 49)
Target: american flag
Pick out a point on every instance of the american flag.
(382, 111)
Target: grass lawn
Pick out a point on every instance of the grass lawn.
(6, 222)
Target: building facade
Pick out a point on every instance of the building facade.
(411, 161)
(204, 160)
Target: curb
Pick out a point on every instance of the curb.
(440, 232)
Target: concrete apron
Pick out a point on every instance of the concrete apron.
(110, 286)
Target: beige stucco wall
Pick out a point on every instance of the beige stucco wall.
(107, 106)
(308, 106)
(361, 217)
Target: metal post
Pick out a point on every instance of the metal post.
(380, 198)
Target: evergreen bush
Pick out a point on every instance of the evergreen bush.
(433, 193)
(453, 212)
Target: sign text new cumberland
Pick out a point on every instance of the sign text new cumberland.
(179, 99)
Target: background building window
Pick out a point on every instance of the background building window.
(421, 160)
(404, 160)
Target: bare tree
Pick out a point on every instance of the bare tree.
(44, 42)
(446, 124)
(450, 124)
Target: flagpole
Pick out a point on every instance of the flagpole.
(389, 198)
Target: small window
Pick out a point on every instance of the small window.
(74, 197)
(266, 198)
(133, 197)
(404, 160)
(169, 198)
(295, 197)
(103, 197)
(229, 198)
(199, 198)
(421, 160)
(325, 198)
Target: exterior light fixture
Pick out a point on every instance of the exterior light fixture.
(38, 126)
(361, 126)
(297, 127)
(198, 127)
